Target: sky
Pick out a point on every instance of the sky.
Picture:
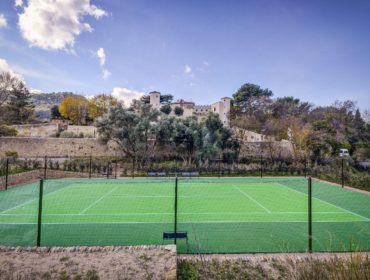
(197, 50)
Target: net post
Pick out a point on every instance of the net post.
(133, 167)
(309, 214)
(108, 170)
(41, 190)
(175, 225)
(45, 166)
(342, 172)
(90, 162)
(6, 173)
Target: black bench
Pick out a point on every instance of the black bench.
(181, 235)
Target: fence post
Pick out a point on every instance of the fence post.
(133, 167)
(261, 165)
(45, 166)
(41, 190)
(6, 173)
(305, 167)
(219, 166)
(108, 170)
(115, 170)
(342, 172)
(310, 215)
(90, 162)
(175, 229)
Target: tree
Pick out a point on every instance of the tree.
(75, 108)
(188, 139)
(100, 105)
(166, 99)
(18, 106)
(15, 103)
(54, 113)
(250, 97)
(166, 109)
(178, 111)
(7, 82)
(131, 130)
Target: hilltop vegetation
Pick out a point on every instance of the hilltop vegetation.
(43, 103)
(316, 132)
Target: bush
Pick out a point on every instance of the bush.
(13, 154)
(7, 131)
(69, 134)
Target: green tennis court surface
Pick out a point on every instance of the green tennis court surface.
(228, 215)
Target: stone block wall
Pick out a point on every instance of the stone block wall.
(36, 130)
(57, 147)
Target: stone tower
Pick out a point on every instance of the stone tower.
(226, 104)
(155, 99)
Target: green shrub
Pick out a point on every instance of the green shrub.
(12, 154)
(7, 131)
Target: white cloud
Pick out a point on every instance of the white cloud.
(101, 55)
(187, 70)
(18, 3)
(125, 95)
(4, 67)
(35, 91)
(106, 74)
(51, 24)
(3, 22)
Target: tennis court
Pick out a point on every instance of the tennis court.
(226, 215)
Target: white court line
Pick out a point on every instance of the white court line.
(29, 201)
(100, 199)
(348, 211)
(251, 198)
(195, 222)
(171, 213)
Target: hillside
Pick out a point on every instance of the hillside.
(44, 101)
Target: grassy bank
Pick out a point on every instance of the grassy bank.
(356, 266)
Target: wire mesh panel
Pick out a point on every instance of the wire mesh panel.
(341, 218)
(18, 215)
(107, 212)
(236, 215)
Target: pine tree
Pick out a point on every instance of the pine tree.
(19, 107)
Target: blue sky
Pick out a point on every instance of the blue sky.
(318, 51)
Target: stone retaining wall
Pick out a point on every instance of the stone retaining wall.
(63, 147)
(57, 147)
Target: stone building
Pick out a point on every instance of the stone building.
(221, 108)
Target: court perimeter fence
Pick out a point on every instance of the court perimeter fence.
(343, 171)
(291, 215)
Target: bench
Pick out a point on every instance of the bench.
(190, 174)
(180, 235)
(156, 174)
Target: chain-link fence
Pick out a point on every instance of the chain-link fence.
(200, 215)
